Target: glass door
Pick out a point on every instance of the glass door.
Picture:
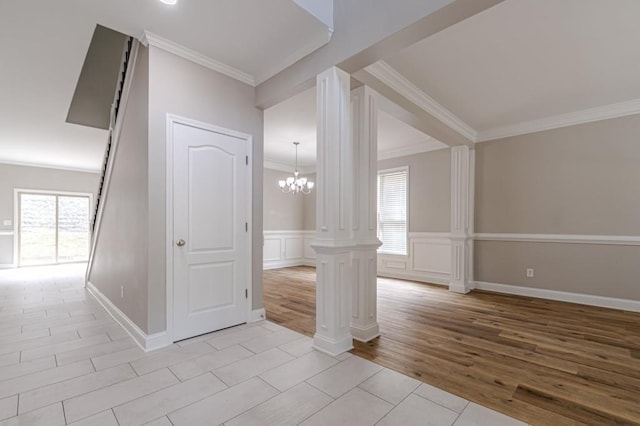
(53, 228)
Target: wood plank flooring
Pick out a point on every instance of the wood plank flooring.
(544, 362)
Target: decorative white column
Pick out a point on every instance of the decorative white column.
(462, 204)
(334, 200)
(364, 131)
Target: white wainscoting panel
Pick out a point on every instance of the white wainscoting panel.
(283, 249)
(428, 260)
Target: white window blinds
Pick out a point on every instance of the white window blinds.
(392, 211)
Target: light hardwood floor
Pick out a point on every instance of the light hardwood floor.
(544, 362)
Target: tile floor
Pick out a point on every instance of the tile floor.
(63, 360)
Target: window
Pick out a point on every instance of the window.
(53, 228)
(392, 210)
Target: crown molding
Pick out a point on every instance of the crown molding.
(604, 112)
(149, 38)
(281, 167)
(392, 78)
(428, 145)
(48, 166)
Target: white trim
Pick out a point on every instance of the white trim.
(175, 119)
(257, 315)
(146, 342)
(149, 38)
(396, 81)
(7, 265)
(6, 233)
(278, 260)
(618, 240)
(49, 166)
(604, 112)
(562, 296)
(426, 146)
(428, 278)
(281, 167)
(430, 235)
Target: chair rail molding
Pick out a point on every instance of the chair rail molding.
(619, 240)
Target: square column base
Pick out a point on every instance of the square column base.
(367, 334)
(332, 347)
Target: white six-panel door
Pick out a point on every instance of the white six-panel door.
(210, 244)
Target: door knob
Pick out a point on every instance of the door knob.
(180, 243)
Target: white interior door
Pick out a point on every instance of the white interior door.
(210, 239)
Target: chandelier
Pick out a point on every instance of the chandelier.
(296, 184)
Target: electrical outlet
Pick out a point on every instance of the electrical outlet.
(121, 292)
(529, 272)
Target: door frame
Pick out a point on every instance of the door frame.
(17, 212)
(173, 119)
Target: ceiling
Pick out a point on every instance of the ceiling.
(518, 67)
(525, 60)
(44, 44)
(295, 120)
(520, 61)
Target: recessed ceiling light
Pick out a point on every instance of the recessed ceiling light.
(169, 1)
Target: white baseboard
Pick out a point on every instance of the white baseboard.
(276, 264)
(562, 296)
(422, 277)
(146, 342)
(257, 315)
(7, 266)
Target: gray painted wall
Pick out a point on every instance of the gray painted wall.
(429, 189)
(23, 177)
(121, 251)
(186, 89)
(574, 180)
(282, 212)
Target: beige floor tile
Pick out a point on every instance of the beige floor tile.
(162, 421)
(58, 348)
(58, 322)
(271, 340)
(249, 367)
(477, 415)
(111, 396)
(36, 343)
(418, 411)
(299, 370)
(446, 399)
(121, 357)
(356, 408)
(288, 408)
(343, 377)
(93, 351)
(24, 368)
(9, 359)
(298, 347)
(47, 416)
(106, 418)
(8, 407)
(44, 378)
(61, 391)
(22, 337)
(153, 362)
(224, 405)
(159, 403)
(389, 385)
(221, 341)
(211, 361)
(81, 326)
